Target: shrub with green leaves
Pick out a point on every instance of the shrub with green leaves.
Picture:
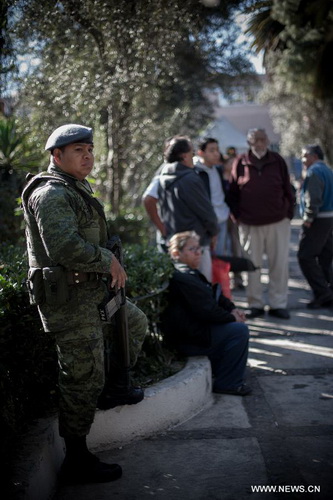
(28, 366)
(149, 272)
(18, 156)
(130, 225)
(148, 269)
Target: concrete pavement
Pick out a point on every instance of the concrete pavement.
(279, 437)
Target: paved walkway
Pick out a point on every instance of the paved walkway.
(280, 436)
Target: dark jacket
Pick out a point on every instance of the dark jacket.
(316, 197)
(260, 192)
(192, 308)
(184, 203)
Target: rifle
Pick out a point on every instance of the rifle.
(114, 306)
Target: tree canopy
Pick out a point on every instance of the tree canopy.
(297, 39)
(135, 70)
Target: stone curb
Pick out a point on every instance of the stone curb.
(167, 403)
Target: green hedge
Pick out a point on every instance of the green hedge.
(28, 367)
(148, 274)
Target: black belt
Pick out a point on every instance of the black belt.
(76, 277)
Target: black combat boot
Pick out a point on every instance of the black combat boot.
(118, 396)
(119, 391)
(81, 466)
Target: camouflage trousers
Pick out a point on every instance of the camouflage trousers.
(81, 368)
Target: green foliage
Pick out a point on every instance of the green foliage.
(148, 274)
(135, 70)
(147, 268)
(7, 59)
(300, 33)
(27, 354)
(17, 153)
(296, 37)
(131, 226)
(307, 35)
(17, 157)
(300, 121)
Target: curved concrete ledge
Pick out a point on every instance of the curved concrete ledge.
(167, 403)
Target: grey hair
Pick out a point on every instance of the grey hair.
(252, 131)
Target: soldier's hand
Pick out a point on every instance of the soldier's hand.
(118, 274)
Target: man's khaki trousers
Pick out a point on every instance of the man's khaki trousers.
(271, 240)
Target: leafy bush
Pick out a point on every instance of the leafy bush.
(17, 157)
(131, 226)
(148, 274)
(27, 356)
(28, 367)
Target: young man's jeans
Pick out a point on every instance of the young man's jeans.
(223, 244)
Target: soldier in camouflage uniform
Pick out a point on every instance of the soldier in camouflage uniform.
(66, 237)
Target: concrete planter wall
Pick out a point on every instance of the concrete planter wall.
(167, 403)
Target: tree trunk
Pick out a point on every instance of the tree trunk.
(118, 139)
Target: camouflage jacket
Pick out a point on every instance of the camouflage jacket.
(62, 228)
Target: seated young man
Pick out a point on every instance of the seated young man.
(197, 323)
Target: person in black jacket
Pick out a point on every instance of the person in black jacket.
(197, 323)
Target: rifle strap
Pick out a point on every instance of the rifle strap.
(88, 198)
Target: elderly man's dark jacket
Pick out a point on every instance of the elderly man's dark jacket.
(193, 309)
(260, 192)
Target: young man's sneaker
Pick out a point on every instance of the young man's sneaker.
(255, 312)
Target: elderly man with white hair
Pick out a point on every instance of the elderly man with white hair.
(262, 201)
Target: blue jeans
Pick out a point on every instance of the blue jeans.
(223, 244)
(227, 354)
